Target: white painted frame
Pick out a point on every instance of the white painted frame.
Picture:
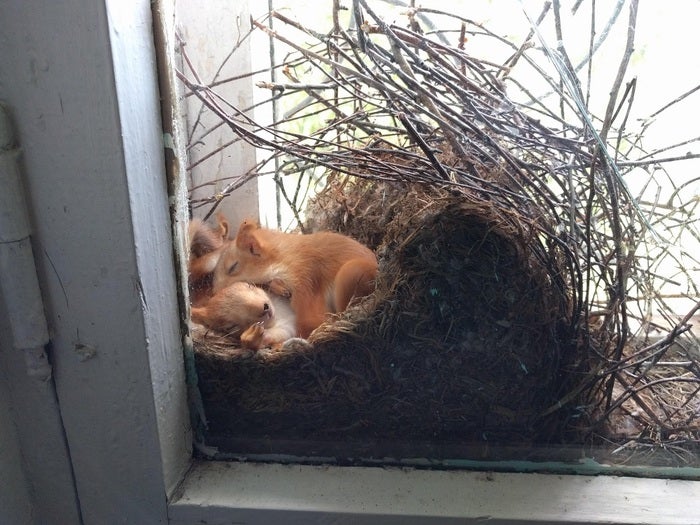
(81, 79)
(223, 493)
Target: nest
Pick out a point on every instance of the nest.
(512, 306)
(466, 339)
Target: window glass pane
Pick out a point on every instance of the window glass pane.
(526, 174)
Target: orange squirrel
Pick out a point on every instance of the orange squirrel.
(263, 321)
(205, 243)
(321, 272)
(205, 238)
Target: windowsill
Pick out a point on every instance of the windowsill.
(219, 492)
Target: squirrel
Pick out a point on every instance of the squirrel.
(263, 321)
(320, 273)
(205, 246)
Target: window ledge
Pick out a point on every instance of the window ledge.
(218, 493)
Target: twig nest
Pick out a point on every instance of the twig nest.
(467, 337)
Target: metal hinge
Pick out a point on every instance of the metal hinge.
(19, 286)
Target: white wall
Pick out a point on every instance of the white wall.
(210, 35)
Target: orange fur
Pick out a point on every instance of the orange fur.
(206, 244)
(205, 238)
(261, 320)
(321, 272)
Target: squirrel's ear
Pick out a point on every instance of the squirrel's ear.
(247, 226)
(246, 239)
(224, 227)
